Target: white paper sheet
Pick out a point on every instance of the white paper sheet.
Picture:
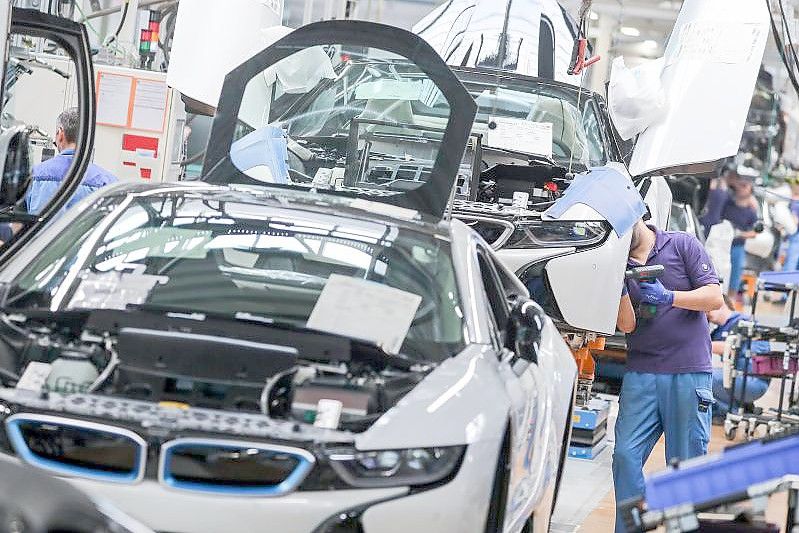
(365, 310)
(149, 105)
(520, 135)
(113, 99)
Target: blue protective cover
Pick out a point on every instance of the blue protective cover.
(611, 193)
(788, 277)
(722, 475)
(265, 146)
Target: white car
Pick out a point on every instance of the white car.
(254, 353)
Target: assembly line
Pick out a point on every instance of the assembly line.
(422, 266)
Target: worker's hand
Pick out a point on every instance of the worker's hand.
(760, 347)
(656, 294)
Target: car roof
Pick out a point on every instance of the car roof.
(313, 200)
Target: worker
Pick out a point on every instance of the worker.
(739, 206)
(47, 176)
(726, 318)
(667, 387)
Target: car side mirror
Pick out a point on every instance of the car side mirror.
(15, 160)
(527, 321)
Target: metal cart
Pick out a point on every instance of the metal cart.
(780, 363)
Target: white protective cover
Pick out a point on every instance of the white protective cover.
(212, 37)
(717, 245)
(711, 64)
(635, 96)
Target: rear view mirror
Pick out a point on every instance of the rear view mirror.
(527, 321)
(15, 156)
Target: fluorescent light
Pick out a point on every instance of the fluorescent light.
(629, 31)
(649, 43)
(594, 15)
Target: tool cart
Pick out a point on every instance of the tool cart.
(779, 361)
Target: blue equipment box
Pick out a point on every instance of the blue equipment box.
(715, 477)
(587, 452)
(592, 416)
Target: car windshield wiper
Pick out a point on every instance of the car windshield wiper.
(528, 156)
(368, 349)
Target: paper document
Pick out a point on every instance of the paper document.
(149, 105)
(365, 310)
(708, 41)
(113, 99)
(519, 135)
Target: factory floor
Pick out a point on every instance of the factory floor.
(586, 503)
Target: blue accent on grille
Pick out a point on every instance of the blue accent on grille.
(291, 482)
(14, 432)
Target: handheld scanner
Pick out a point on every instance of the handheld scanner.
(647, 274)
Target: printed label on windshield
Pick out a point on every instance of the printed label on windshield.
(520, 135)
(365, 310)
(113, 290)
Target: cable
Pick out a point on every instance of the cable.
(781, 51)
(788, 33)
(124, 16)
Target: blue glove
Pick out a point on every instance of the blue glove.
(656, 294)
(760, 347)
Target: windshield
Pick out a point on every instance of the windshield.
(321, 117)
(240, 258)
(389, 112)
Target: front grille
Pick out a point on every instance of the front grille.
(78, 448)
(229, 467)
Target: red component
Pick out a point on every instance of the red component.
(578, 61)
(146, 173)
(139, 142)
(551, 186)
(129, 163)
(345, 58)
(155, 26)
(145, 35)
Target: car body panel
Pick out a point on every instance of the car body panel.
(708, 93)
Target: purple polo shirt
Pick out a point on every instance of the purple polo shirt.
(674, 341)
(741, 218)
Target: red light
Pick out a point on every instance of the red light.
(345, 57)
(551, 186)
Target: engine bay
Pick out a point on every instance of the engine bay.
(145, 361)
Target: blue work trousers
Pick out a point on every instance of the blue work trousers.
(650, 405)
(792, 254)
(755, 389)
(737, 264)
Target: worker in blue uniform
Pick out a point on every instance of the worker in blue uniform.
(47, 176)
(667, 387)
(726, 318)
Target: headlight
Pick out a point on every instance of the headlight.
(556, 233)
(394, 468)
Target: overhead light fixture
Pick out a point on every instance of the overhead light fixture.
(649, 43)
(629, 31)
(593, 15)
